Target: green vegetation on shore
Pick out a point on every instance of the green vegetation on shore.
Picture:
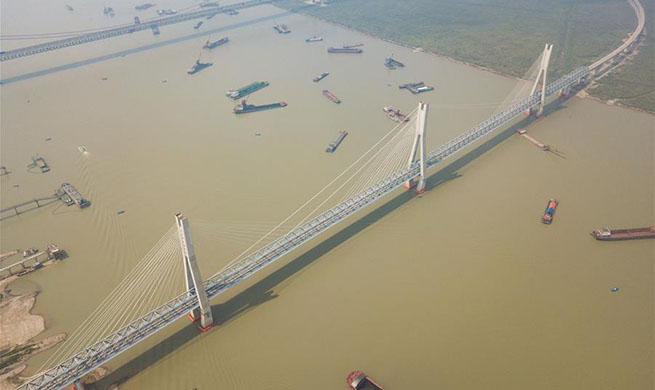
(633, 84)
(508, 35)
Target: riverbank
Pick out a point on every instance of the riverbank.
(503, 39)
(18, 326)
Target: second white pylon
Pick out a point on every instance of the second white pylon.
(418, 149)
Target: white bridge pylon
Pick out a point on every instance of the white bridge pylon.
(418, 149)
(202, 314)
(541, 75)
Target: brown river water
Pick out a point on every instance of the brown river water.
(461, 288)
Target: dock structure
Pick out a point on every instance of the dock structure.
(69, 191)
(33, 262)
(38, 161)
(22, 207)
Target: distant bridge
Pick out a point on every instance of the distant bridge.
(117, 31)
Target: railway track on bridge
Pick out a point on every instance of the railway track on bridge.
(123, 30)
(99, 353)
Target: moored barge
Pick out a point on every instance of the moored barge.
(607, 234)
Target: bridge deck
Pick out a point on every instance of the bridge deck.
(122, 30)
(97, 354)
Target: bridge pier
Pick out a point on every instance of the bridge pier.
(543, 70)
(78, 385)
(193, 279)
(419, 148)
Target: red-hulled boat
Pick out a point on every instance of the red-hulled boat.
(357, 380)
(606, 234)
(549, 213)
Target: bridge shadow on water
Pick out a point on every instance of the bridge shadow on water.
(262, 291)
(123, 53)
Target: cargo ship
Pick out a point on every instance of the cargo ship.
(245, 108)
(549, 213)
(212, 45)
(198, 66)
(247, 90)
(313, 39)
(607, 234)
(331, 96)
(395, 115)
(344, 50)
(282, 28)
(197, 26)
(357, 380)
(208, 4)
(335, 144)
(320, 77)
(418, 84)
(390, 63)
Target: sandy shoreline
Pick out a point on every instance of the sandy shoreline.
(18, 326)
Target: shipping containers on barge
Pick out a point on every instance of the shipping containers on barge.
(549, 213)
(357, 380)
(606, 234)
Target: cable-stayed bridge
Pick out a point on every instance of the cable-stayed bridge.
(126, 29)
(194, 302)
(88, 352)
